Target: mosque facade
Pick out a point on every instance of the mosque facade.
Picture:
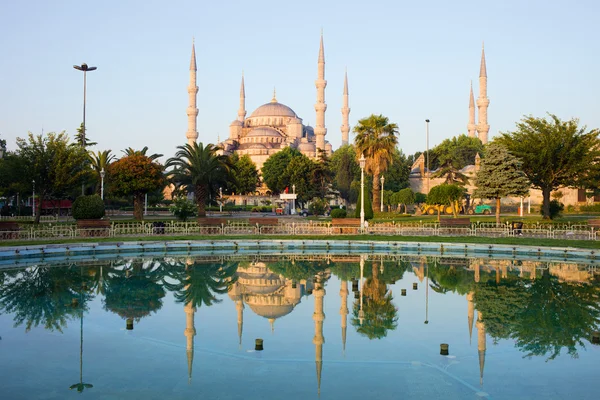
(273, 126)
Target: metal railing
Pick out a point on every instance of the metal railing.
(243, 227)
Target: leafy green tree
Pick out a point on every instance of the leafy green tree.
(299, 172)
(345, 170)
(56, 167)
(321, 177)
(376, 139)
(368, 209)
(459, 151)
(554, 153)
(131, 152)
(246, 179)
(398, 172)
(200, 170)
(81, 138)
(136, 175)
(182, 208)
(404, 197)
(500, 176)
(446, 195)
(275, 170)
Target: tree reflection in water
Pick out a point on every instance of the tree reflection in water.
(134, 290)
(43, 296)
(380, 314)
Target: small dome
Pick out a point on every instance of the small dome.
(272, 311)
(264, 132)
(273, 109)
(236, 123)
(468, 169)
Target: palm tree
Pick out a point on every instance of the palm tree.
(130, 152)
(100, 161)
(201, 170)
(376, 139)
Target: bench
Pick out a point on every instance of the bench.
(594, 223)
(93, 227)
(345, 225)
(455, 226)
(212, 221)
(211, 225)
(9, 230)
(263, 221)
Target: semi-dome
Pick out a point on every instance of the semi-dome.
(264, 131)
(236, 122)
(271, 310)
(273, 109)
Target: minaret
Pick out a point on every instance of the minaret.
(483, 102)
(319, 317)
(345, 113)
(471, 314)
(192, 111)
(242, 110)
(471, 127)
(190, 332)
(239, 306)
(344, 312)
(481, 345)
(320, 106)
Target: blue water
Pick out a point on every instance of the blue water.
(516, 330)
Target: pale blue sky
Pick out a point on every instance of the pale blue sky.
(406, 60)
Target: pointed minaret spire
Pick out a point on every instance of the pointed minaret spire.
(190, 332)
(470, 314)
(471, 127)
(192, 111)
(483, 102)
(320, 106)
(481, 345)
(239, 306)
(242, 110)
(319, 317)
(344, 312)
(345, 113)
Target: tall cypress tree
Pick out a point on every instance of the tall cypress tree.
(500, 176)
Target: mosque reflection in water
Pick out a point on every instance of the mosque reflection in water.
(544, 307)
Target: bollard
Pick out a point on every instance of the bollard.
(444, 349)
(596, 337)
(403, 292)
(129, 324)
(415, 286)
(258, 345)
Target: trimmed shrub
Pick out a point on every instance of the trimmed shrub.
(556, 208)
(338, 213)
(88, 207)
(183, 208)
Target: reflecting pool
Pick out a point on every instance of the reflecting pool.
(333, 326)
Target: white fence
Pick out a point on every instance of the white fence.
(235, 227)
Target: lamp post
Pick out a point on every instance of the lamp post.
(83, 67)
(294, 200)
(381, 194)
(220, 199)
(362, 161)
(361, 313)
(427, 144)
(2, 149)
(102, 174)
(33, 201)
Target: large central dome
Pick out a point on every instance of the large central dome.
(273, 109)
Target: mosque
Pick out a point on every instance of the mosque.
(272, 126)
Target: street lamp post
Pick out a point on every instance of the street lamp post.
(102, 174)
(362, 161)
(2, 149)
(381, 194)
(427, 144)
(294, 200)
(83, 67)
(220, 199)
(33, 201)
(361, 313)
